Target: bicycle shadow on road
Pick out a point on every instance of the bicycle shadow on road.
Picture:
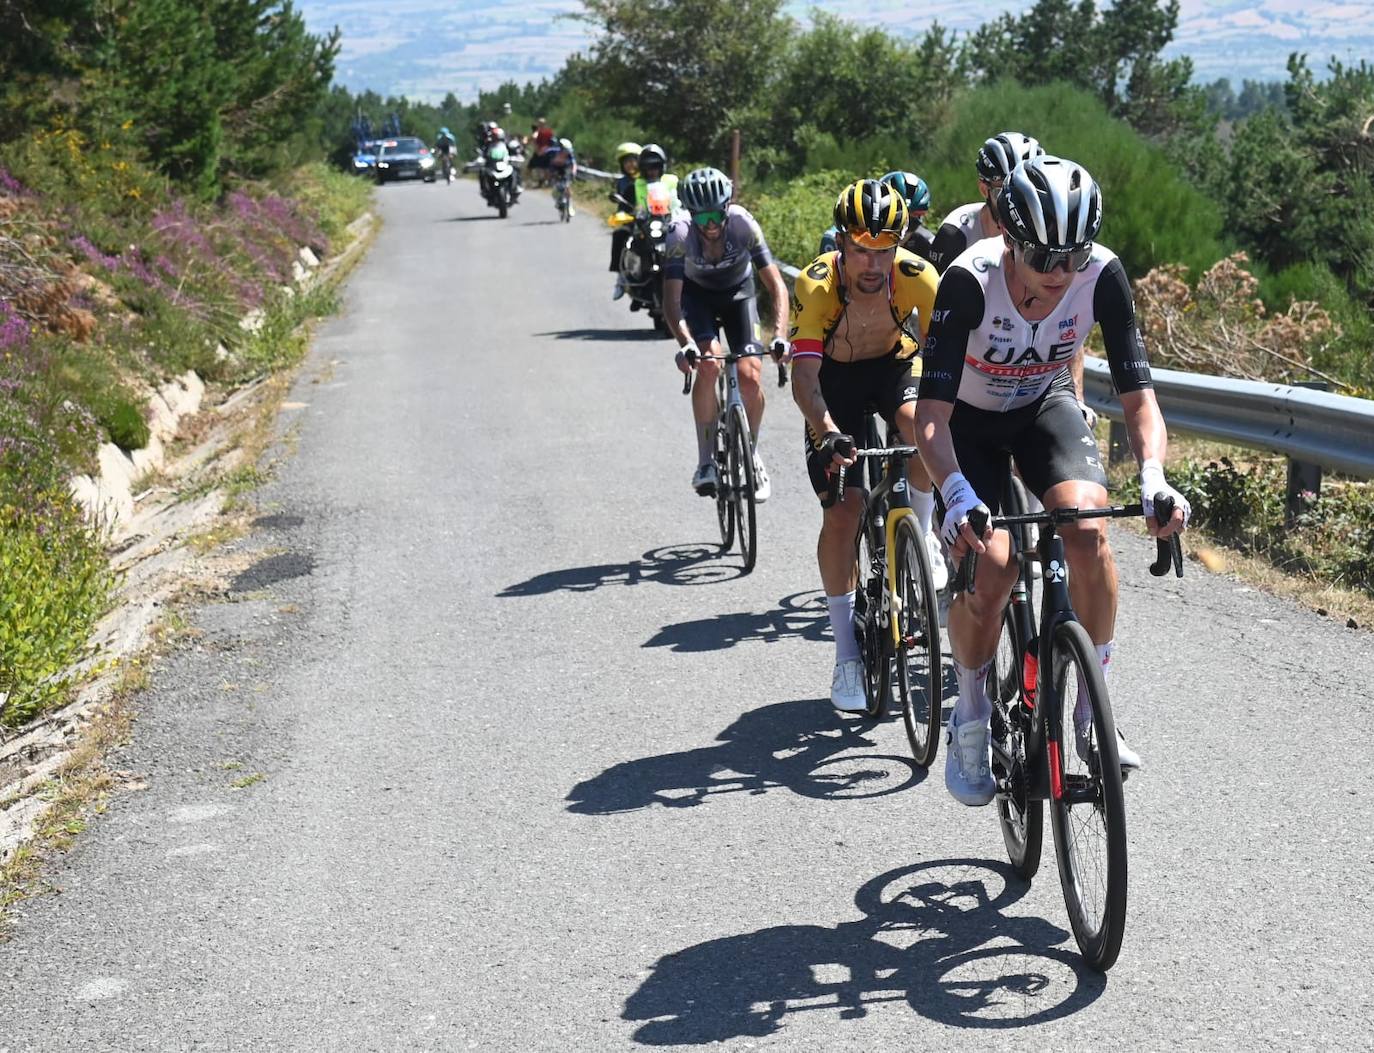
(934, 935)
(642, 335)
(470, 219)
(802, 615)
(691, 564)
(801, 746)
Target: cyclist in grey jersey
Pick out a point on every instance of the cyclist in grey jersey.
(1009, 319)
(708, 290)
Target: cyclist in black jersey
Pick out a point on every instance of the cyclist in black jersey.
(1011, 316)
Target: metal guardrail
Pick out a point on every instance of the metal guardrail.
(1313, 427)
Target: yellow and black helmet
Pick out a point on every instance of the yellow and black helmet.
(872, 213)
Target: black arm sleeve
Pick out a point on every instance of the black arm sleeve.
(948, 244)
(958, 312)
(1114, 310)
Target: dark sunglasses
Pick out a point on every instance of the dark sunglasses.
(1045, 261)
(706, 218)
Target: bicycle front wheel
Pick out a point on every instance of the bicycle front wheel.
(725, 505)
(919, 673)
(742, 486)
(1087, 805)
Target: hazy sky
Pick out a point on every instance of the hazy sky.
(425, 48)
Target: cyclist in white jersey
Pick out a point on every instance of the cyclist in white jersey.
(1010, 318)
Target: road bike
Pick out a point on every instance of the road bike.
(736, 505)
(1053, 737)
(896, 611)
(562, 197)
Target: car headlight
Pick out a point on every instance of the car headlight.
(426, 162)
(358, 162)
(655, 229)
(383, 164)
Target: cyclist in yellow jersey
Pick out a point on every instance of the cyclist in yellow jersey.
(858, 318)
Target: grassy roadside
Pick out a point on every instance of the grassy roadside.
(1325, 560)
(112, 283)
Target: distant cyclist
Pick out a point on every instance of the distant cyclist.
(917, 196)
(858, 318)
(708, 290)
(561, 162)
(1012, 315)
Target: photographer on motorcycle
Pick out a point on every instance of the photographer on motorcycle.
(627, 158)
(653, 168)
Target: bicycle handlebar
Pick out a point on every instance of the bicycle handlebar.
(693, 356)
(837, 479)
(1168, 551)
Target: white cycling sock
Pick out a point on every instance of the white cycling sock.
(1082, 710)
(923, 503)
(842, 626)
(973, 702)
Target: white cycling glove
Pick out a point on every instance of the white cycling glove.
(687, 356)
(1152, 482)
(1089, 414)
(960, 500)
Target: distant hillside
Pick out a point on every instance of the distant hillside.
(426, 48)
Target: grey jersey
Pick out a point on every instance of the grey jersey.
(685, 251)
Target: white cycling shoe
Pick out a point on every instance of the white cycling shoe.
(847, 687)
(1129, 758)
(763, 489)
(939, 572)
(619, 289)
(705, 479)
(968, 774)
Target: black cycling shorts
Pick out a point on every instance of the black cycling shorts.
(1049, 439)
(732, 313)
(853, 390)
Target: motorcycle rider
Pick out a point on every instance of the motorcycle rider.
(653, 168)
(627, 159)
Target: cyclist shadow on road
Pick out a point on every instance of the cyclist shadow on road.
(802, 615)
(691, 564)
(642, 335)
(799, 746)
(933, 935)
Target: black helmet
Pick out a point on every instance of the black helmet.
(653, 154)
(873, 213)
(705, 189)
(1000, 154)
(1053, 209)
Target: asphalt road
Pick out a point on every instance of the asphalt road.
(543, 772)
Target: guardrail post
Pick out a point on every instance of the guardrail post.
(1304, 479)
(1118, 443)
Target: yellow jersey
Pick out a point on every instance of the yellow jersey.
(819, 302)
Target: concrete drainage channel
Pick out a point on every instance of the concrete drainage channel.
(149, 534)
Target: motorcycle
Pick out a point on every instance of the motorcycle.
(642, 260)
(497, 179)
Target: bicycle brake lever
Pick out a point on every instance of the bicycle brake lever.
(968, 566)
(1165, 547)
(782, 374)
(687, 383)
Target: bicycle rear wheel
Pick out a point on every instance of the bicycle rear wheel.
(875, 640)
(1089, 811)
(919, 673)
(742, 486)
(1022, 820)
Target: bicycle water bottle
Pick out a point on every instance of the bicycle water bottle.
(1030, 671)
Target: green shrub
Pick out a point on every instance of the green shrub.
(1151, 214)
(54, 585)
